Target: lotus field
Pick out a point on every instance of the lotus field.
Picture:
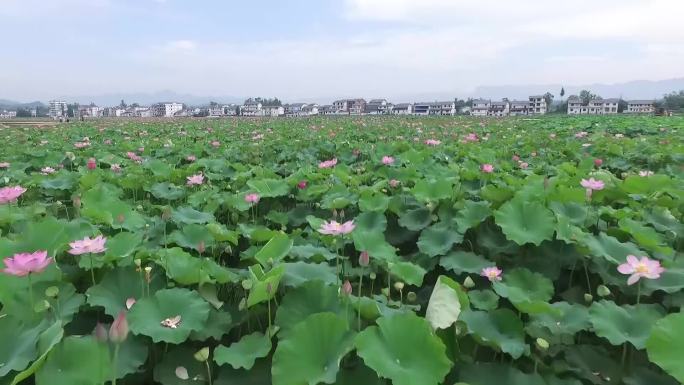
(359, 251)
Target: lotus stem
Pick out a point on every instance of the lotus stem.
(206, 363)
(114, 362)
(358, 301)
(92, 270)
(30, 287)
(269, 318)
(639, 293)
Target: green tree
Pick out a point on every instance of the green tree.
(674, 101)
(548, 98)
(585, 96)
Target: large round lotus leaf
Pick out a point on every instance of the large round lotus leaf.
(647, 376)
(370, 222)
(525, 221)
(497, 374)
(188, 215)
(416, 219)
(167, 191)
(408, 272)
(132, 355)
(146, 316)
(593, 363)
(180, 360)
(192, 236)
(483, 299)
(122, 245)
(311, 298)
(499, 328)
(299, 273)
(445, 303)
(243, 354)
(46, 342)
(264, 287)
(620, 324)
(269, 188)
(464, 262)
(275, 250)
(438, 239)
(65, 305)
(404, 349)
(312, 352)
(187, 269)
(76, 361)
(568, 320)
(375, 244)
(378, 202)
(316, 253)
(472, 214)
(665, 346)
(433, 190)
(525, 289)
(117, 286)
(18, 347)
(218, 324)
(260, 374)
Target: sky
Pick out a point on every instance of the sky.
(323, 48)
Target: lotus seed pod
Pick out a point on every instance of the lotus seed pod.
(372, 276)
(588, 297)
(202, 354)
(52, 292)
(603, 291)
(542, 344)
(247, 284)
(411, 296)
(468, 283)
(399, 286)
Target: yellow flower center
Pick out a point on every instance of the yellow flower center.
(642, 268)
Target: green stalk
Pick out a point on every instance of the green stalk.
(114, 362)
(206, 363)
(30, 287)
(359, 300)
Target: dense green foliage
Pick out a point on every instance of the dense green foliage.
(218, 285)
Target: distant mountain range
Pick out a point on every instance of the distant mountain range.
(638, 89)
(12, 105)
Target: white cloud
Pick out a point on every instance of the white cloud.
(179, 46)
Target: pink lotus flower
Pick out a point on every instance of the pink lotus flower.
(492, 273)
(516, 158)
(116, 168)
(394, 183)
(195, 180)
(23, 264)
(487, 168)
(134, 157)
(141, 149)
(433, 142)
(47, 170)
(87, 245)
(364, 259)
(592, 184)
(215, 143)
(252, 198)
(108, 141)
(523, 165)
(191, 158)
(302, 184)
(472, 137)
(328, 163)
(335, 228)
(581, 134)
(645, 173)
(346, 288)
(636, 269)
(129, 303)
(118, 332)
(10, 194)
(81, 144)
(387, 160)
(4, 165)
(598, 162)
(92, 164)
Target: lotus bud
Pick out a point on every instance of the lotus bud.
(121, 218)
(92, 164)
(468, 283)
(100, 333)
(202, 355)
(118, 332)
(603, 291)
(52, 292)
(364, 259)
(200, 247)
(372, 276)
(542, 344)
(334, 213)
(137, 262)
(399, 286)
(385, 292)
(347, 288)
(76, 201)
(182, 373)
(166, 214)
(247, 284)
(588, 297)
(411, 296)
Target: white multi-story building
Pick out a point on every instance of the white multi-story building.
(378, 107)
(402, 109)
(538, 105)
(349, 106)
(166, 110)
(499, 109)
(251, 108)
(480, 107)
(574, 105)
(8, 114)
(295, 109)
(57, 109)
(594, 107)
(640, 107)
(520, 107)
(273, 111)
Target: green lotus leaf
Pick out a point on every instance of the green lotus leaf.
(493, 374)
(371, 222)
(18, 346)
(222, 234)
(218, 324)
(620, 324)
(499, 328)
(167, 191)
(404, 349)
(132, 355)
(445, 304)
(472, 214)
(158, 167)
(433, 190)
(310, 298)
(311, 252)
(275, 250)
(269, 188)
(312, 352)
(670, 281)
(373, 202)
(593, 363)
(49, 234)
(60, 182)
(188, 215)
(416, 219)
(47, 340)
(117, 286)
(464, 262)
(102, 205)
(146, 316)
(665, 345)
(187, 270)
(438, 239)
(76, 360)
(264, 288)
(529, 292)
(408, 272)
(483, 299)
(122, 245)
(192, 236)
(260, 374)
(243, 354)
(525, 221)
(568, 320)
(610, 248)
(299, 273)
(375, 244)
(172, 362)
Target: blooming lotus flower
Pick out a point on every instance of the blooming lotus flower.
(47, 170)
(134, 157)
(252, 198)
(10, 194)
(4, 165)
(191, 158)
(328, 163)
(87, 245)
(108, 141)
(581, 134)
(195, 180)
(118, 332)
(516, 158)
(81, 144)
(524, 165)
(487, 168)
(645, 173)
(335, 228)
(636, 269)
(394, 183)
(116, 168)
(92, 164)
(492, 273)
(592, 184)
(433, 142)
(387, 160)
(302, 184)
(215, 143)
(23, 264)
